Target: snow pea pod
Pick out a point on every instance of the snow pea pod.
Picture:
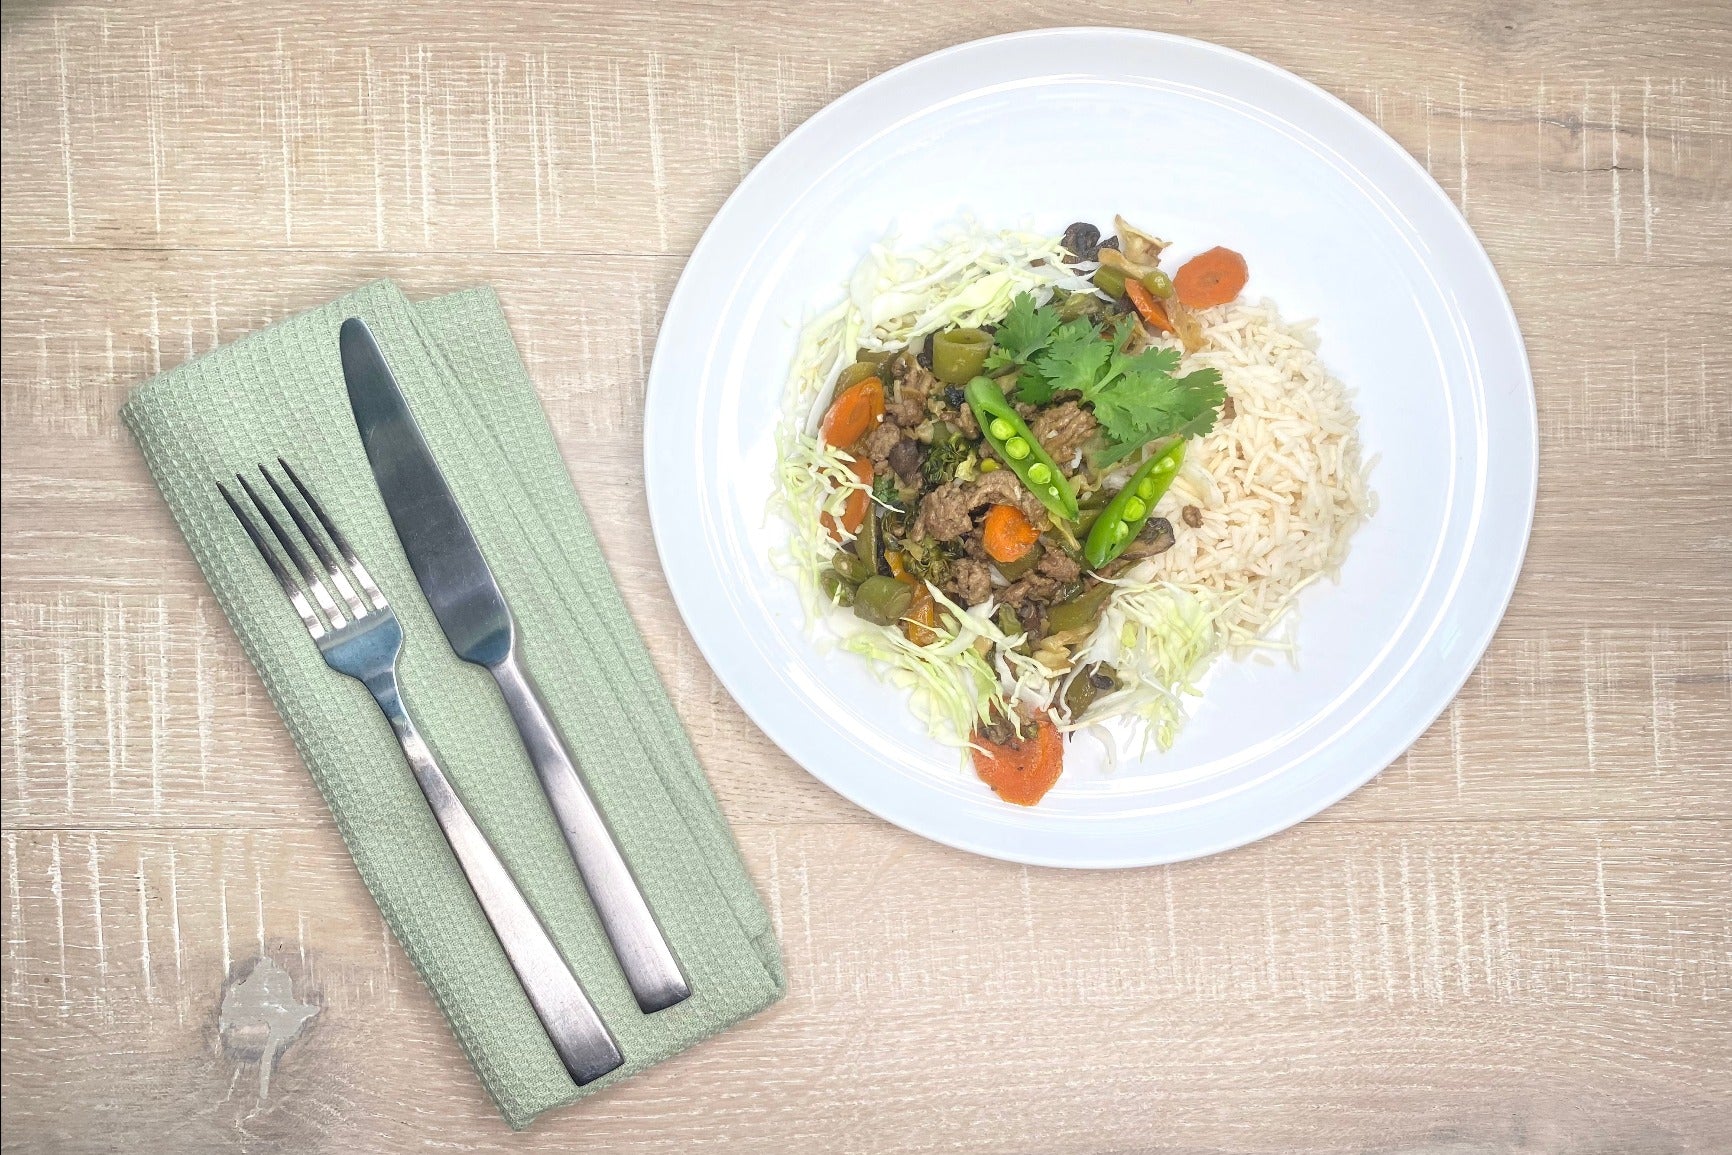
(1004, 430)
(1125, 514)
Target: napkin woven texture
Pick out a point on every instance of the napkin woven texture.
(281, 392)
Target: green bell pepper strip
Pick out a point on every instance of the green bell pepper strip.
(1124, 516)
(1110, 281)
(958, 354)
(1016, 446)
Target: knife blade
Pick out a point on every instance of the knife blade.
(460, 587)
(430, 525)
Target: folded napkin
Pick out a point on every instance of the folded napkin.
(281, 391)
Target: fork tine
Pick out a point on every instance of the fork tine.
(317, 541)
(320, 594)
(284, 578)
(342, 543)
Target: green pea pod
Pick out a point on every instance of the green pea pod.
(1016, 446)
(1123, 518)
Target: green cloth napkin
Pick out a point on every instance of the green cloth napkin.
(281, 392)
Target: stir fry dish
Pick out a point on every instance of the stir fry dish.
(1041, 482)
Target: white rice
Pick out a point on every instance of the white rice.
(1280, 487)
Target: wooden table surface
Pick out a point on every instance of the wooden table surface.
(1517, 938)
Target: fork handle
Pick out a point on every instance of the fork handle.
(643, 952)
(577, 1032)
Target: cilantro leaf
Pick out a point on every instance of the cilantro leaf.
(1138, 400)
(1075, 358)
(1072, 358)
(1135, 397)
(1023, 333)
(1032, 388)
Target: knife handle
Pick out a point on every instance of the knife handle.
(578, 1035)
(643, 951)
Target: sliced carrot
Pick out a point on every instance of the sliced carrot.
(1211, 278)
(1008, 536)
(854, 412)
(922, 616)
(1025, 768)
(854, 509)
(1152, 312)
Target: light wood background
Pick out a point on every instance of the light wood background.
(1517, 938)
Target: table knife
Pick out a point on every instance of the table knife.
(467, 600)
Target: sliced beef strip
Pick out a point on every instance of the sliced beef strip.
(947, 404)
(1029, 589)
(1029, 597)
(878, 443)
(1058, 566)
(947, 513)
(1063, 429)
(966, 422)
(969, 581)
(912, 383)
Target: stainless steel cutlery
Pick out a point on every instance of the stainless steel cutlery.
(359, 636)
(461, 590)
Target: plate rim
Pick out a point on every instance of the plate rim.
(1402, 737)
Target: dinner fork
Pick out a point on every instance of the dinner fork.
(364, 645)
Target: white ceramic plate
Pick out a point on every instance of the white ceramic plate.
(1203, 146)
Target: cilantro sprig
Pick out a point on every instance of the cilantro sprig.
(1135, 397)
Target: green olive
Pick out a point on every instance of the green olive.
(958, 355)
(837, 588)
(851, 566)
(882, 600)
(1110, 281)
(1158, 283)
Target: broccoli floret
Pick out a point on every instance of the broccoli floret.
(884, 492)
(942, 458)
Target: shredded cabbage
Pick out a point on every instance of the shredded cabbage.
(1160, 638)
(967, 277)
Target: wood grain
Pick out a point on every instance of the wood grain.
(1515, 939)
